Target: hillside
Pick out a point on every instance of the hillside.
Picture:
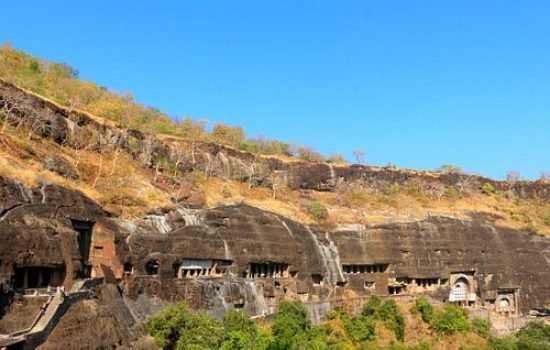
(131, 212)
(154, 162)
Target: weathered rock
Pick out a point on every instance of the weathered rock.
(102, 323)
(60, 166)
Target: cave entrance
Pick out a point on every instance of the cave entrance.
(268, 270)
(396, 289)
(317, 278)
(38, 276)
(84, 229)
(202, 267)
(128, 270)
(152, 267)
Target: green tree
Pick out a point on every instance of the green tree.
(425, 309)
(290, 326)
(534, 336)
(393, 318)
(372, 306)
(177, 327)
(360, 328)
(450, 320)
(450, 168)
(236, 321)
(481, 327)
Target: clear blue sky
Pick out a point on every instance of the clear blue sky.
(417, 83)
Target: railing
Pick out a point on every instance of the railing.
(35, 320)
(65, 302)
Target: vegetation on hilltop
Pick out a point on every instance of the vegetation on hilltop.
(60, 83)
(382, 326)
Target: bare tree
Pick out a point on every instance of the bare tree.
(359, 155)
(513, 176)
(179, 156)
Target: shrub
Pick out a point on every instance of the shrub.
(481, 327)
(389, 313)
(506, 343)
(452, 193)
(531, 229)
(450, 320)
(534, 336)
(413, 189)
(487, 189)
(177, 327)
(318, 211)
(450, 168)
(425, 309)
(372, 306)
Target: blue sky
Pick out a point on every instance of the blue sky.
(417, 83)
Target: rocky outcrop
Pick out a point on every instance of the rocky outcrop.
(74, 128)
(100, 323)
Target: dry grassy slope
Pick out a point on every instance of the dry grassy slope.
(126, 188)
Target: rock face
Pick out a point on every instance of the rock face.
(102, 323)
(404, 258)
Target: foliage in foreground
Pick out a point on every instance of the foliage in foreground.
(178, 328)
(450, 320)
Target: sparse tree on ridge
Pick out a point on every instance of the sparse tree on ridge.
(359, 155)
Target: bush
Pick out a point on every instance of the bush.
(534, 336)
(506, 343)
(532, 229)
(393, 318)
(360, 328)
(452, 193)
(425, 309)
(450, 168)
(450, 320)
(487, 189)
(177, 327)
(318, 211)
(372, 306)
(481, 327)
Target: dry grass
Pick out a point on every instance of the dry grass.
(120, 187)
(369, 208)
(125, 188)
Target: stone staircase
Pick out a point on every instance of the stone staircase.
(51, 310)
(56, 306)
